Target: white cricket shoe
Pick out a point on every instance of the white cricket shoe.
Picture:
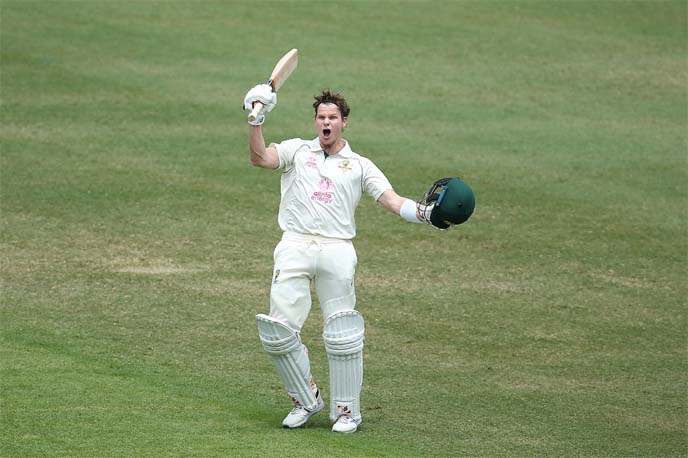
(299, 415)
(346, 424)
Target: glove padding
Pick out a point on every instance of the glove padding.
(448, 202)
(260, 119)
(260, 93)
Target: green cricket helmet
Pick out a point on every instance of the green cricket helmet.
(454, 202)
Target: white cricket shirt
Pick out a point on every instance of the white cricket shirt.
(320, 193)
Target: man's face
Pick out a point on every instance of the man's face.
(330, 124)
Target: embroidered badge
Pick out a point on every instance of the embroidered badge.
(345, 164)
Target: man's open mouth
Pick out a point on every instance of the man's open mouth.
(326, 132)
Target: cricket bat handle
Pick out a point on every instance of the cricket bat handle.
(257, 106)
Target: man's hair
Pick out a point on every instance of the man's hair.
(334, 98)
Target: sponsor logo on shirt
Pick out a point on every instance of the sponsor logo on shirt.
(323, 195)
(312, 162)
(324, 184)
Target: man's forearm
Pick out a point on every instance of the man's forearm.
(256, 144)
(259, 154)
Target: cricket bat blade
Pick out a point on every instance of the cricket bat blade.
(283, 68)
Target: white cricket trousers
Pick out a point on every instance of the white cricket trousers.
(301, 259)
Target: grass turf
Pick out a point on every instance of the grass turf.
(137, 240)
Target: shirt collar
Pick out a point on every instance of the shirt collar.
(344, 152)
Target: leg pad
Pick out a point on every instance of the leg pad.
(344, 338)
(290, 357)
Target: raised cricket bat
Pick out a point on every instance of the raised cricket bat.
(284, 67)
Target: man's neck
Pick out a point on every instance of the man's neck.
(334, 149)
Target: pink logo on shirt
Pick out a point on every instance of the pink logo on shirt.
(325, 184)
(323, 195)
(312, 162)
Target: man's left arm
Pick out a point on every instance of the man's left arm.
(448, 202)
(402, 206)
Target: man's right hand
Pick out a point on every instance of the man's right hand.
(261, 93)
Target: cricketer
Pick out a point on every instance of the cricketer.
(322, 181)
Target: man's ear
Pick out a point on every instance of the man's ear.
(345, 123)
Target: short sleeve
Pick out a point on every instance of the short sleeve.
(286, 152)
(374, 181)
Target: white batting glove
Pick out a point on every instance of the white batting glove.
(260, 119)
(261, 93)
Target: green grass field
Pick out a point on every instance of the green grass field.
(137, 240)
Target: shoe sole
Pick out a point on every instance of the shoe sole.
(347, 432)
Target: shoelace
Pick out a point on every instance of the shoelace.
(298, 410)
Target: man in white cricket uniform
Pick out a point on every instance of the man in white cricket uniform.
(322, 181)
(320, 194)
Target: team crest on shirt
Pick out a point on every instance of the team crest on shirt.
(323, 195)
(345, 164)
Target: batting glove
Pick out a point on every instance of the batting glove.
(261, 93)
